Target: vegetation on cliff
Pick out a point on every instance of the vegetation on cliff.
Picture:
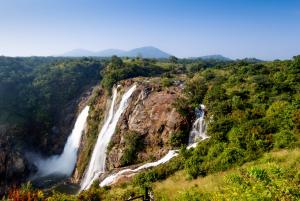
(253, 107)
(117, 70)
(34, 91)
(249, 113)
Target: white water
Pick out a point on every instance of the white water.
(97, 162)
(110, 179)
(198, 133)
(64, 164)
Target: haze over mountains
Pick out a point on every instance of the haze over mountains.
(145, 52)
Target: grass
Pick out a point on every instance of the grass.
(275, 176)
(281, 169)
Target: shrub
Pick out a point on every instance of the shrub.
(93, 194)
(259, 173)
(134, 143)
(283, 139)
(178, 138)
(194, 167)
(166, 82)
(158, 173)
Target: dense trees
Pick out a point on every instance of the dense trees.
(117, 70)
(35, 90)
(252, 107)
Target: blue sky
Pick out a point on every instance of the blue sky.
(266, 29)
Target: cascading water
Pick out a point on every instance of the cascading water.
(198, 133)
(64, 164)
(110, 179)
(97, 162)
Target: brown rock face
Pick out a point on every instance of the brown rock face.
(13, 166)
(150, 119)
(150, 115)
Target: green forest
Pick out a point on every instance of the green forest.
(35, 91)
(253, 116)
(253, 108)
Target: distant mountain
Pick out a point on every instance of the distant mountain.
(251, 60)
(78, 53)
(109, 53)
(145, 52)
(215, 57)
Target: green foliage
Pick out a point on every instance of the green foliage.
(117, 70)
(158, 173)
(93, 194)
(56, 196)
(96, 115)
(173, 59)
(273, 177)
(34, 91)
(134, 143)
(259, 173)
(166, 82)
(252, 107)
(283, 139)
(27, 187)
(178, 138)
(192, 195)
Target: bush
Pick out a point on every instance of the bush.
(178, 138)
(283, 139)
(259, 173)
(158, 173)
(194, 166)
(93, 194)
(166, 82)
(134, 143)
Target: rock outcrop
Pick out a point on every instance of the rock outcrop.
(151, 115)
(13, 166)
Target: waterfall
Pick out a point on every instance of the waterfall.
(198, 133)
(97, 163)
(64, 164)
(110, 179)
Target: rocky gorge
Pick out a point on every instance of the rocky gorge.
(143, 131)
(16, 164)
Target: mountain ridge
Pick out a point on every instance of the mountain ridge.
(146, 52)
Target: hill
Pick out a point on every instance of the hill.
(215, 57)
(145, 52)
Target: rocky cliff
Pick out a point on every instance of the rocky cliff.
(14, 166)
(152, 117)
(98, 101)
(144, 130)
